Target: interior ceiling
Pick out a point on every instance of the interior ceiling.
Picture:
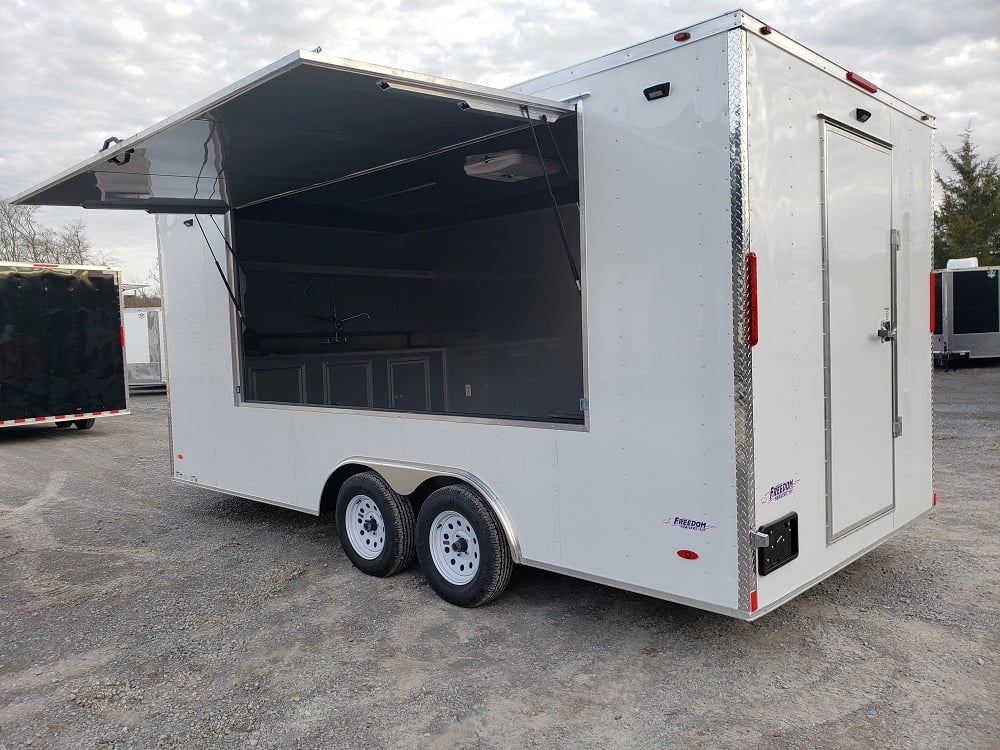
(434, 191)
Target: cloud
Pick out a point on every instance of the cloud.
(75, 73)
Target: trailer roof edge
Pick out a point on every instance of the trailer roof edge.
(720, 24)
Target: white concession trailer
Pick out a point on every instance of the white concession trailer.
(658, 320)
(965, 312)
(144, 347)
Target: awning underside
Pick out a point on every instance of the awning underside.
(305, 125)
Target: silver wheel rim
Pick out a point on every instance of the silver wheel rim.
(454, 548)
(365, 527)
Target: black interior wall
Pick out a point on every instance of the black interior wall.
(976, 302)
(491, 304)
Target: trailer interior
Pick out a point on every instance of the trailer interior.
(395, 241)
(439, 284)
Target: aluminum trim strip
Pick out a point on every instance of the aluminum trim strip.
(434, 416)
(697, 604)
(826, 125)
(242, 495)
(742, 355)
(787, 597)
(722, 24)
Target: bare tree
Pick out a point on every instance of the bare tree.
(153, 277)
(73, 242)
(148, 293)
(11, 220)
(24, 238)
(37, 241)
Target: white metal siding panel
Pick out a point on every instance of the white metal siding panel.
(185, 277)
(242, 451)
(786, 95)
(913, 153)
(659, 310)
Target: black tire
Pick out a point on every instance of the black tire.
(84, 424)
(492, 568)
(380, 518)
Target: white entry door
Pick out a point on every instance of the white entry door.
(860, 330)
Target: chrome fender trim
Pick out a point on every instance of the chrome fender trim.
(405, 477)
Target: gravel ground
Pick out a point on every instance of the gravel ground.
(139, 614)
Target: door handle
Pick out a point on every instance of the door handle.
(886, 332)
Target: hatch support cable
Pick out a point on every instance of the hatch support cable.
(222, 274)
(555, 203)
(555, 145)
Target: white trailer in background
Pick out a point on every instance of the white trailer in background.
(144, 348)
(657, 320)
(966, 312)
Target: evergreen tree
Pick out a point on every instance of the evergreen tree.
(967, 221)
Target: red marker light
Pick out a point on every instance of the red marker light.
(934, 500)
(45, 265)
(121, 335)
(933, 303)
(687, 554)
(862, 82)
(682, 36)
(753, 600)
(765, 30)
(751, 323)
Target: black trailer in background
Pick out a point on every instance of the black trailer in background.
(966, 309)
(61, 345)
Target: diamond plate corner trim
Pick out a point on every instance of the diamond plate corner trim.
(742, 362)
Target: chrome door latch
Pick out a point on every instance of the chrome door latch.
(886, 332)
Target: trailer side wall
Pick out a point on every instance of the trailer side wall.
(652, 472)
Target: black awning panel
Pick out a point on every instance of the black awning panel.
(304, 121)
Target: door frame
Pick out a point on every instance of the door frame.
(828, 124)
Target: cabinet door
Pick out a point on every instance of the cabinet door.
(348, 384)
(409, 384)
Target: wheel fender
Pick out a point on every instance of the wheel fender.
(405, 477)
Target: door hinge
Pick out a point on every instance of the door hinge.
(760, 539)
(894, 239)
(584, 404)
(236, 390)
(897, 427)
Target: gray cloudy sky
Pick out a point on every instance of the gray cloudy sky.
(72, 73)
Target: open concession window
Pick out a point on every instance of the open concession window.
(443, 285)
(395, 235)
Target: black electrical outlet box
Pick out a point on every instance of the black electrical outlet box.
(783, 546)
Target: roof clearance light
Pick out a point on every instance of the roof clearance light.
(765, 30)
(861, 82)
(682, 36)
